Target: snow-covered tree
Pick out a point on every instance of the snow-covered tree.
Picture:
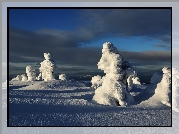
(63, 77)
(163, 89)
(118, 78)
(48, 67)
(30, 73)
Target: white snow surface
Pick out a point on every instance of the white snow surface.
(55, 103)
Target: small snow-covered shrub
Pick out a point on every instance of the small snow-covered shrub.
(17, 78)
(47, 68)
(96, 81)
(63, 77)
(31, 73)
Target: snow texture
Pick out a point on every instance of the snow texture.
(47, 68)
(31, 73)
(113, 88)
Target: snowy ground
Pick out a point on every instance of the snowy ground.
(56, 103)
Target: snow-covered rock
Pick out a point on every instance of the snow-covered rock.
(47, 68)
(30, 73)
(118, 78)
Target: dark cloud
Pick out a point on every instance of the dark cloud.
(147, 57)
(164, 46)
(24, 48)
(154, 23)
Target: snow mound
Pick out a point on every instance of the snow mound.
(53, 84)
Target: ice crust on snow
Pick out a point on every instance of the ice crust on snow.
(113, 88)
(47, 68)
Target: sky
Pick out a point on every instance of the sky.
(75, 38)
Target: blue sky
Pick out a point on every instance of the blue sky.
(75, 37)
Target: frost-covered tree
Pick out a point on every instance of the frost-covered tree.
(63, 77)
(163, 89)
(48, 67)
(30, 73)
(118, 78)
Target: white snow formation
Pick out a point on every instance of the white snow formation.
(47, 68)
(17, 78)
(175, 89)
(24, 77)
(97, 81)
(30, 73)
(118, 79)
(63, 77)
(163, 89)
